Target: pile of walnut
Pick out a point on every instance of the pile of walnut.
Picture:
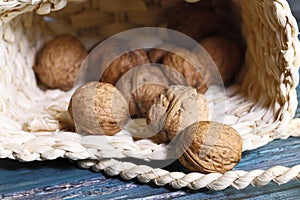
(171, 98)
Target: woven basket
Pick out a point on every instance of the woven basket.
(261, 107)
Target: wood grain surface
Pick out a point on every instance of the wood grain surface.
(61, 179)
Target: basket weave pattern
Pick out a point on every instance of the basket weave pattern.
(261, 108)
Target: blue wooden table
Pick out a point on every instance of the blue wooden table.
(61, 179)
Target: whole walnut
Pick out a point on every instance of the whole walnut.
(227, 55)
(183, 67)
(98, 108)
(101, 55)
(157, 54)
(175, 109)
(140, 87)
(196, 23)
(114, 62)
(209, 147)
(58, 62)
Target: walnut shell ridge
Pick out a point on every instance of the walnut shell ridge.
(59, 61)
(98, 108)
(184, 66)
(209, 147)
(175, 109)
(141, 86)
(157, 54)
(111, 72)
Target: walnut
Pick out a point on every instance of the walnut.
(184, 66)
(176, 108)
(140, 87)
(112, 71)
(98, 108)
(209, 147)
(101, 54)
(157, 54)
(193, 22)
(58, 62)
(227, 55)
(138, 129)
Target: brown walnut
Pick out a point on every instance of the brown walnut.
(227, 55)
(58, 62)
(113, 71)
(98, 108)
(196, 23)
(175, 109)
(184, 67)
(157, 54)
(209, 147)
(140, 87)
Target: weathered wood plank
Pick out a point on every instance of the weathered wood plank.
(60, 178)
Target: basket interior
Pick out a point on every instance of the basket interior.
(257, 105)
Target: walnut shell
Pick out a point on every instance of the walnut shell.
(184, 66)
(209, 147)
(140, 87)
(139, 130)
(227, 55)
(193, 22)
(98, 108)
(113, 71)
(175, 109)
(59, 61)
(157, 54)
(101, 55)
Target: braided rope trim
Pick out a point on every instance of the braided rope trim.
(237, 179)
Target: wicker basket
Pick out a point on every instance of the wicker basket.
(261, 108)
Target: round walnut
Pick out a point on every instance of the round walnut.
(113, 67)
(140, 87)
(175, 109)
(101, 54)
(227, 55)
(98, 108)
(157, 54)
(183, 67)
(59, 61)
(193, 21)
(209, 147)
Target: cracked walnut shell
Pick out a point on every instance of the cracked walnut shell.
(175, 109)
(209, 147)
(98, 108)
(59, 61)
